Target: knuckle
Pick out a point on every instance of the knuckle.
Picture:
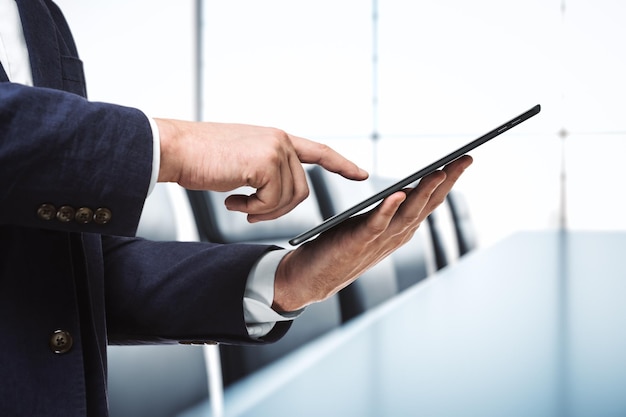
(324, 151)
(302, 193)
(277, 145)
(437, 200)
(376, 228)
(277, 135)
(270, 155)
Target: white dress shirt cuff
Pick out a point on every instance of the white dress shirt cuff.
(156, 153)
(259, 295)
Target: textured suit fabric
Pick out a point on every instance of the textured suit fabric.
(94, 281)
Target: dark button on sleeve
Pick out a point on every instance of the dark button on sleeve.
(46, 212)
(61, 341)
(102, 216)
(66, 214)
(84, 215)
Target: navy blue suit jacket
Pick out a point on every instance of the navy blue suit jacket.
(67, 271)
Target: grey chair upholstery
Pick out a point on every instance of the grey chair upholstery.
(464, 227)
(157, 381)
(216, 224)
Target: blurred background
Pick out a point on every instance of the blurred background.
(393, 85)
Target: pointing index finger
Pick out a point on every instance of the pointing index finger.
(311, 152)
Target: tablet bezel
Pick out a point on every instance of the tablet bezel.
(344, 215)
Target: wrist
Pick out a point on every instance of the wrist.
(289, 295)
(169, 134)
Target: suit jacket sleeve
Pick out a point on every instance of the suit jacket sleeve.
(59, 149)
(182, 291)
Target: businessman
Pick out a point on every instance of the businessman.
(73, 178)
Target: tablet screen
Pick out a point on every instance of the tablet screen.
(338, 218)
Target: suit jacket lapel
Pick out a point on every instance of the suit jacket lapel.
(41, 40)
(3, 75)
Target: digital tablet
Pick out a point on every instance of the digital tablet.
(338, 218)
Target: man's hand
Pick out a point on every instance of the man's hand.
(222, 157)
(321, 267)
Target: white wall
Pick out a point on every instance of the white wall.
(448, 71)
(136, 53)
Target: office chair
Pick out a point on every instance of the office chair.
(216, 224)
(447, 234)
(160, 380)
(416, 260)
(380, 283)
(466, 235)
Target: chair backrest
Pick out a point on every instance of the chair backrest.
(378, 284)
(452, 229)
(415, 260)
(464, 227)
(217, 224)
(167, 215)
(158, 218)
(443, 235)
(158, 381)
